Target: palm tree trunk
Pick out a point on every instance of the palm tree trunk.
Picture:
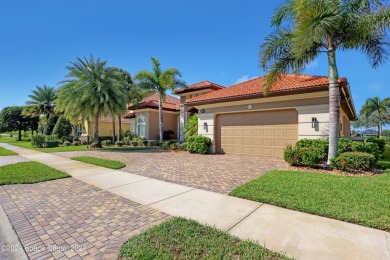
(119, 128)
(74, 132)
(96, 141)
(160, 113)
(113, 129)
(380, 128)
(334, 105)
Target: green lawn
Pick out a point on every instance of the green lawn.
(28, 172)
(361, 200)
(5, 152)
(179, 238)
(100, 162)
(26, 144)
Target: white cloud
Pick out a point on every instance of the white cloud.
(312, 65)
(244, 78)
(376, 86)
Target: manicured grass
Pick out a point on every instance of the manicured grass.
(28, 172)
(361, 200)
(385, 161)
(5, 152)
(26, 144)
(100, 162)
(179, 238)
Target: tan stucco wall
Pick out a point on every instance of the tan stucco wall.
(169, 123)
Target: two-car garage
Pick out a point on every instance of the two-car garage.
(261, 133)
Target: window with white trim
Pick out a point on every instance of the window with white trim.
(141, 125)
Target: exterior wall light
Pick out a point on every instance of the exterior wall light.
(314, 122)
(205, 127)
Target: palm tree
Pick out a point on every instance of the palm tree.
(378, 110)
(42, 102)
(90, 91)
(306, 28)
(159, 81)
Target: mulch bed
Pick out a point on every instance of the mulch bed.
(319, 169)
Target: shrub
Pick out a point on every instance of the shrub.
(183, 146)
(130, 134)
(127, 140)
(381, 142)
(154, 143)
(165, 145)
(371, 148)
(168, 134)
(145, 142)
(84, 142)
(63, 128)
(173, 146)
(305, 156)
(106, 142)
(134, 143)
(198, 144)
(344, 145)
(38, 141)
(191, 127)
(66, 143)
(76, 143)
(354, 161)
(321, 146)
(119, 143)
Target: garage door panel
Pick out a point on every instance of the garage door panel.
(257, 133)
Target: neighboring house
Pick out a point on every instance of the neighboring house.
(369, 133)
(240, 119)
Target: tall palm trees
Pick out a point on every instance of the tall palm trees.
(306, 28)
(159, 81)
(42, 102)
(378, 110)
(91, 90)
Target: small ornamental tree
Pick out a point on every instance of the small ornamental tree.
(50, 124)
(63, 128)
(191, 127)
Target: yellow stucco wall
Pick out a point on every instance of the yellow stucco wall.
(169, 123)
(105, 128)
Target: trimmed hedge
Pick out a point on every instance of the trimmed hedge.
(198, 144)
(311, 152)
(119, 143)
(381, 142)
(106, 142)
(354, 161)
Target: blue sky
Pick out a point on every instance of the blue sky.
(213, 40)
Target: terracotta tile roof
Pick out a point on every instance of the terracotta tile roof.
(130, 114)
(255, 87)
(198, 86)
(151, 101)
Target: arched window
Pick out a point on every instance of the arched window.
(141, 123)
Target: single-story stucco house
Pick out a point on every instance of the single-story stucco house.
(240, 119)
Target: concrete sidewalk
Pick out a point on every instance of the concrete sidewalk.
(297, 234)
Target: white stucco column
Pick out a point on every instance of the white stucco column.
(182, 121)
(206, 127)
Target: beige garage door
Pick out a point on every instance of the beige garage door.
(263, 133)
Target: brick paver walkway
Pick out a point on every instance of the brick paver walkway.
(69, 219)
(218, 173)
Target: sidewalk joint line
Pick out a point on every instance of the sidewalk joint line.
(170, 197)
(108, 189)
(250, 213)
(388, 243)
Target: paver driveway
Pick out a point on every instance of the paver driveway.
(218, 173)
(69, 219)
